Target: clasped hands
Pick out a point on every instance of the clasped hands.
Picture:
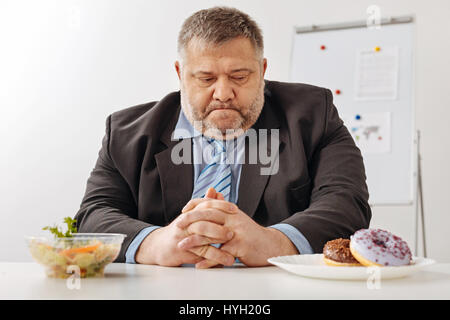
(212, 220)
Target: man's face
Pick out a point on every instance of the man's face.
(222, 86)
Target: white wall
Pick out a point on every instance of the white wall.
(66, 65)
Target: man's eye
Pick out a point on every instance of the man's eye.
(206, 79)
(239, 78)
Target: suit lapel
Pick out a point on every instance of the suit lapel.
(176, 179)
(252, 182)
(251, 185)
(176, 182)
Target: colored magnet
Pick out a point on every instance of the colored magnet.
(322, 47)
(377, 48)
(358, 117)
(338, 91)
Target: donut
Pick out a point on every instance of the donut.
(377, 247)
(337, 253)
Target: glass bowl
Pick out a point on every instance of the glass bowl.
(85, 254)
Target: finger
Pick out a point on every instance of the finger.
(214, 254)
(211, 230)
(200, 262)
(210, 193)
(196, 240)
(193, 203)
(222, 205)
(205, 264)
(192, 258)
(212, 215)
(232, 248)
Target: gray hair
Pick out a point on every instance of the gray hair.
(217, 25)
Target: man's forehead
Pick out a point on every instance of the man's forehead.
(237, 48)
(227, 60)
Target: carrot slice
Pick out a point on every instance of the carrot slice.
(80, 250)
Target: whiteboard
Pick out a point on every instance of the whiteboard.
(335, 58)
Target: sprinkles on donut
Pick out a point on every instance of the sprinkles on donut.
(377, 247)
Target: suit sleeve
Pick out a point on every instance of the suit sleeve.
(339, 197)
(108, 205)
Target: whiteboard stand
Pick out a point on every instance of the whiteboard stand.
(418, 202)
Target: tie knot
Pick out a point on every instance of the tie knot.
(218, 146)
(214, 151)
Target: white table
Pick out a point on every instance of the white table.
(128, 281)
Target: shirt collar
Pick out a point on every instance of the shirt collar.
(184, 129)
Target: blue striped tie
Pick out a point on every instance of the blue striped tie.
(216, 174)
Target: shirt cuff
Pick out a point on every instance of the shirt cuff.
(296, 237)
(134, 245)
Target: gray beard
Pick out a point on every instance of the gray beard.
(208, 128)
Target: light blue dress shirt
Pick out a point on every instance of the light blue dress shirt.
(235, 151)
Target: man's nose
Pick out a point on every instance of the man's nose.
(223, 90)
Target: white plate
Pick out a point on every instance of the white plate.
(312, 265)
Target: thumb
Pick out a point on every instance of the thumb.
(220, 196)
(211, 193)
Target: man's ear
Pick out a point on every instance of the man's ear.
(264, 65)
(178, 69)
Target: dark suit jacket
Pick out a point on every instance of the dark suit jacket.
(319, 189)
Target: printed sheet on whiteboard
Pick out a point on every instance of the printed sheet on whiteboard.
(376, 76)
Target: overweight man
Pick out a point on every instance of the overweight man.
(231, 166)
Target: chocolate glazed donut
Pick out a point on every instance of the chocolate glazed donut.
(337, 253)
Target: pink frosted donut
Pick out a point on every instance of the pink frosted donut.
(379, 247)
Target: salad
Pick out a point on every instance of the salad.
(84, 253)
